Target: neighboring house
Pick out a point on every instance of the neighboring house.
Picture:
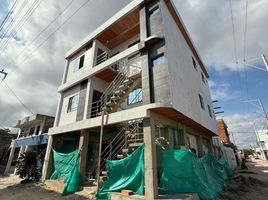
(32, 136)
(223, 133)
(5, 140)
(141, 68)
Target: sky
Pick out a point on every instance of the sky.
(33, 55)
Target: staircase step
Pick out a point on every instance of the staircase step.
(110, 103)
(119, 92)
(119, 156)
(135, 144)
(135, 140)
(106, 108)
(115, 98)
(125, 151)
(127, 81)
(123, 87)
(105, 173)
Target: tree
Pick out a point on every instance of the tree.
(27, 166)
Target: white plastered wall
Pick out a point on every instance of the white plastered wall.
(68, 117)
(186, 82)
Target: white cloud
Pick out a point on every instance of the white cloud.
(242, 130)
(36, 80)
(209, 24)
(222, 91)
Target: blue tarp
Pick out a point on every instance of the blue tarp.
(30, 140)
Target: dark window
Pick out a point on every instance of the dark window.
(154, 11)
(79, 63)
(194, 63)
(31, 132)
(160, 59)
(73, 103)
(203, 77)
(132, 44)
(37, 130)
(209, 111)
(135, 96)
(201, 102)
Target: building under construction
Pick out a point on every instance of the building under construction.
(137, 79)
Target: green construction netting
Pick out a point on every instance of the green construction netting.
(127, 173)
(66, 166)
(183, 172)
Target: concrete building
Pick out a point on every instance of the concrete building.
(5, 138)
(32, 136)
(262, 142)
(223, 133)
(142, 69)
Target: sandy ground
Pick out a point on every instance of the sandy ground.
(11, 189)
(251, 184)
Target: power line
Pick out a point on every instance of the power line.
(8, 14)
(233, 30)
(245, 35)
(14, 19)
(26, 107)
(20, 24)
(40, 33)
(51, 34)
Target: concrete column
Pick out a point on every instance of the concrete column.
(48, 162)
(12, 151)
(86, 109)
(200, 145)
(145, 65)
(22, 150)
(65, 72)
(58, 111)
(150, 164)
(83, 147)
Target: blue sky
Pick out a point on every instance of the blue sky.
(208, 23)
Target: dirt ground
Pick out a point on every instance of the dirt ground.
(251, 184)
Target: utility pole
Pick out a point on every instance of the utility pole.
(5, 74)
(264, 112)
(259, 142)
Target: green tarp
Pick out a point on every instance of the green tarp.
(183, 172)
(66, 166)
(127, 173)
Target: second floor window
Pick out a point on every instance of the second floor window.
(203, 78)
(160, 59)
(201, 102)
(194, 63)
(79, 63)
(73, 103)
(209, 111)
(135, 96)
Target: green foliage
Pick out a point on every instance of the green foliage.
(27, 166)
(4, 131)
(248, 152)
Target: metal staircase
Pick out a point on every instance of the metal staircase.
(128, 78)
(125, 142)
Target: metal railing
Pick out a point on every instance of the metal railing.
(127, 70)
(121, 141)
(101, 58)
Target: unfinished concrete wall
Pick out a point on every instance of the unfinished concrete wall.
(186, 80)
